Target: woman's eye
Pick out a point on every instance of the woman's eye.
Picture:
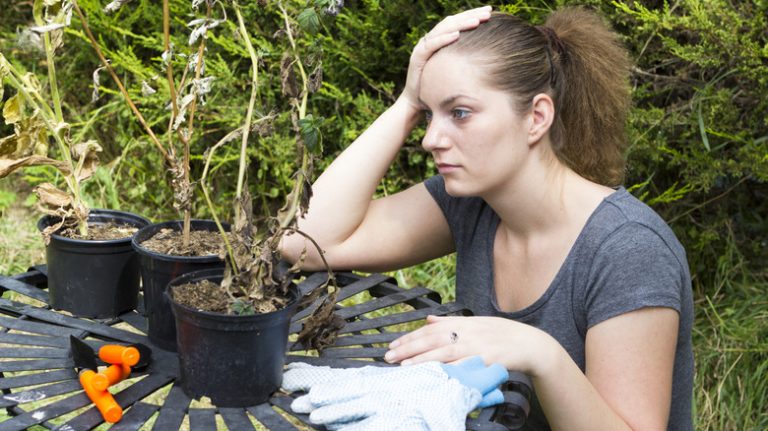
(459, 114)
(427, 116)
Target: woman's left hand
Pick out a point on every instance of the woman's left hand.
(512, 344)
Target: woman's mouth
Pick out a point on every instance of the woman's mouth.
(445, 168)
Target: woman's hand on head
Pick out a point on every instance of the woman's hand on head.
(444, 33)
(514, 345)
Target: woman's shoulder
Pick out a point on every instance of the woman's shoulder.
(621, 208)
(624, 219)
(632, 208)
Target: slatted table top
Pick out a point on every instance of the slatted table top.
(40, 386)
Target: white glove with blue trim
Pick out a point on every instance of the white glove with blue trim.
(428, 396)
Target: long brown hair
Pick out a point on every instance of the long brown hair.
(579, 61)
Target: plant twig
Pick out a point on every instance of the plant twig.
(204, 186)
(295, 195)
(167, 47)
(52, 81)
(709, 201)
(186, 137)
(331, 277)
(119, 84)
(251, 101)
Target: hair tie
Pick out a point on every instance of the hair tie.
(553, 39)
(554, 43)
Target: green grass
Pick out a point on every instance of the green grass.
(20, 242)
(731, 344)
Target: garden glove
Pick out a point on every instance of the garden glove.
(473, 373)
(423, 396)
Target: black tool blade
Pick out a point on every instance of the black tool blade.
(83, 355)
(145, 357)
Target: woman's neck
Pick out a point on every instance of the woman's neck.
(545, 197)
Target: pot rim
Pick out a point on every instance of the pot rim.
(213, 273)
(175, 257)
(42, 223)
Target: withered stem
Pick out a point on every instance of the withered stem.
(190, 122)
(119, 83)
(251, 102)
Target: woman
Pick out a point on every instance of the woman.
(571, 279)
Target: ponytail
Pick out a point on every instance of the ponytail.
(595, 98)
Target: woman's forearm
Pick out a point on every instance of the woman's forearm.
(569, 400)
(343, 193)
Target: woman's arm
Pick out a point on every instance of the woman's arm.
(629, 363)
(355, 231)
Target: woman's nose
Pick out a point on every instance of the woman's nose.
(434, 138)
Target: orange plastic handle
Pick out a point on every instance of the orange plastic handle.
(116, 373)
(114, 354)
(110, 410)
(98, 381)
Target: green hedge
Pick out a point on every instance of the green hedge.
(699, 130)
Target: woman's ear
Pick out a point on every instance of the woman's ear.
(542, 116)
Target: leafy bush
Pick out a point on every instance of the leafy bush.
(698, 129)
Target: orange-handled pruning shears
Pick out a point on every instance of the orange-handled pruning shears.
(95, 382)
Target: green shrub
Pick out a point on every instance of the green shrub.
(698, 130)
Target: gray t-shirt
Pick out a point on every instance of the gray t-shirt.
(625, 258)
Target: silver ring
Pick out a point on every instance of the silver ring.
(454, 338)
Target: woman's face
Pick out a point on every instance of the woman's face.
(477, 139)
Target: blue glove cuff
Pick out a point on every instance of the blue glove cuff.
(474, 374)
(492, 398)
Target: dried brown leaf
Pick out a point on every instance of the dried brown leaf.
(60, 204)
(52, 198)
(316, 79)
(182, 189)
(306, 195)
(290, 84)
(86, 155)
(8, 146)
(9, 165)
(32, 135)
(244, 219)
(12, 110)
(57, 39)
(85, 149)
(321, 328)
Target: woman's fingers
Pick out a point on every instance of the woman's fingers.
(423, 348)
(424, 331)
(465, 20)
(436, 319)
(430, 342)
(444, 33)
(447, 30)
(431, 43)
(445, 355)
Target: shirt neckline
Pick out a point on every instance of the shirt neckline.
(552, 288)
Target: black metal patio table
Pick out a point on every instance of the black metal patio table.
(40, 386)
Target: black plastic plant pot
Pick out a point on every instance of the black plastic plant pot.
(236, 361)
(158, 269)
(93, 278)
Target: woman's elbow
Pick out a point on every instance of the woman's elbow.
(295, 248)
